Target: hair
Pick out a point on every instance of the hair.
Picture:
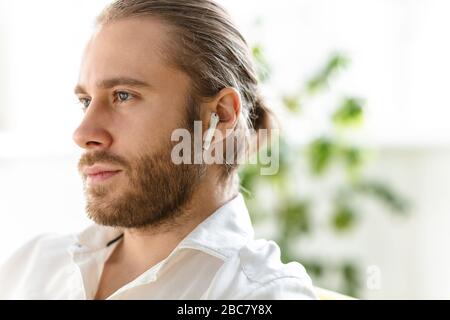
(208, 48)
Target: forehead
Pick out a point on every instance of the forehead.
(127, 47)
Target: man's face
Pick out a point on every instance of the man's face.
(133, 101)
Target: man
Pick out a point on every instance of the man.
(163, 230)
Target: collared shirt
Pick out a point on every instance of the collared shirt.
(219, 259)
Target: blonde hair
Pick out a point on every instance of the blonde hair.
(208, 48)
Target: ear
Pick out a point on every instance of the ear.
(227, 105)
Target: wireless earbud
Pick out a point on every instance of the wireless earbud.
(210, 133)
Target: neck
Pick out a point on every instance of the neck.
(134, 250)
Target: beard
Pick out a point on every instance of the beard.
(157, 191)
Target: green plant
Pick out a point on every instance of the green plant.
(331, 153)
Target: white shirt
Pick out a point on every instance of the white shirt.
(219, 259)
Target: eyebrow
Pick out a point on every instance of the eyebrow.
(111, 83)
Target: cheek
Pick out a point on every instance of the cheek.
(145, 129)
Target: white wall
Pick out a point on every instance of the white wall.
(414, 256)
(410, 251)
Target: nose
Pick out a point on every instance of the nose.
(92, 134)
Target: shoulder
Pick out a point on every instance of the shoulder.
(260, 261)
(43, 252)
(257, 272)
(44, 245)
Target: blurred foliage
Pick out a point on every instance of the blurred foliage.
(296, 209)
(350, 112)
(332, 67)
(263, 66)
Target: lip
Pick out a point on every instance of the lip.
(99, 173)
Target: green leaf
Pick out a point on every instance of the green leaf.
(295, 218)
(350, 113)
(343, 218)
(292, 103)
(314, 268)
(351, 279)
(320, 153)
(383, 193)
(353, 157)
(319, 81)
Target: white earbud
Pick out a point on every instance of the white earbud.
(210, 133)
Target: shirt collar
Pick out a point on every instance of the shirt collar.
(220, 235)
(224, 232)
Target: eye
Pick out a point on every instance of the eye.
(123, 96)
(85, 102)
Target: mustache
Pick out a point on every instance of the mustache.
(91, 158)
